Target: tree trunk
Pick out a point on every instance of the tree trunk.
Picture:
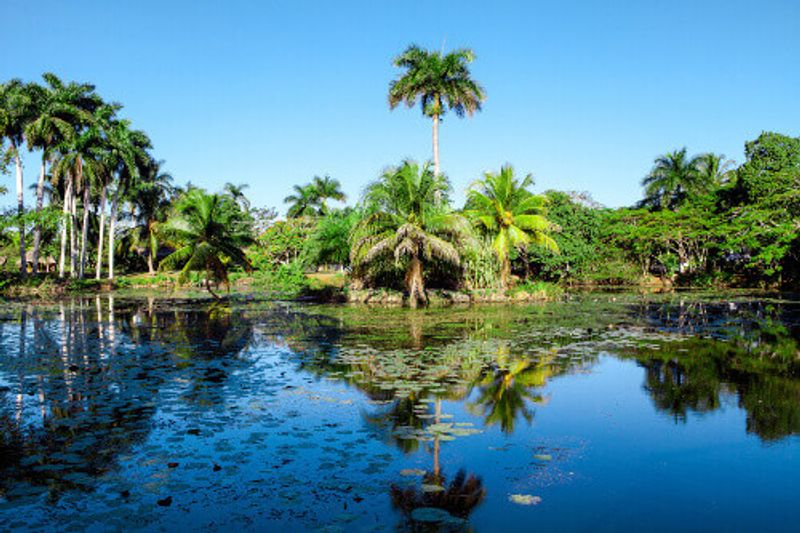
(415, 284)
(84, 227)
(64, 223)
(23, 263)
(505, 272)
(73, 250)
(150, 266)
(37, 231)
(112, 222)
(436, 145)
(99, 266)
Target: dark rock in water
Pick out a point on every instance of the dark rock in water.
(125, 494)
(193, 431)
(166, 502)
(217, 468)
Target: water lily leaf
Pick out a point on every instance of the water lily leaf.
(524, 499)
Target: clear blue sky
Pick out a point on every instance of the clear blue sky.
(582, 94)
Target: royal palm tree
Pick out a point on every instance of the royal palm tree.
(152, 199)
(510, 215)
(129, 147)
(440, 82)
(18, 105)
(327, 189)
(673, 179)
(212, 232)
(404, 220)
(303, 202)
(60, 110)
(81, 163)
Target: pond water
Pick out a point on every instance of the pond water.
(601, 413)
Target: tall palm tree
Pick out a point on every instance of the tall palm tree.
(303, 202)
(510, 214)
(327, 189)
(404, 220)
(440, 82)
(212, 231)
(60, 109)
(673, 179)
(82, 162)
(129, 147)
(152, 199)
(18, 105)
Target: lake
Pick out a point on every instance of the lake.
(605, 412)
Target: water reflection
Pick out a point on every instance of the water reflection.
(85, 383)
(82, 386)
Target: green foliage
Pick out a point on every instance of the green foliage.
(438, 81)
(510, 215)
(282, 243)
(407, 217)
(212, 231)
(329, 241)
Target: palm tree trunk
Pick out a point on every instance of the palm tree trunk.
(23, 263)
(436, 145)
(415, 284)
(505, 272)
(37, 231)
(73, 254)
(152, 250)
(112, 222)
(99, 266)
(84, 227)
(64, 223)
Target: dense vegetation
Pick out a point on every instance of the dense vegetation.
(104, 204)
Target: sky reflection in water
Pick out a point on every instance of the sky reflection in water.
(646, 413)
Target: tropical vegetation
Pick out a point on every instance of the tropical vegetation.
(103, 205)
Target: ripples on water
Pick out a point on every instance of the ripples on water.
(599, 413)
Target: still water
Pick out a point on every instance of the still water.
(602, 413)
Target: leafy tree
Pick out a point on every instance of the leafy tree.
(403, 219)
(212, 232)
(440, 82)
(771, 170)
(510, 214)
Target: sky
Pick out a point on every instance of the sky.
(582, 94)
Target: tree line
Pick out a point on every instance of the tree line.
(103, 201)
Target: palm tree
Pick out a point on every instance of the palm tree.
(82, 162)
(60, 109)
(404, 219)
(152, 199)
(237, 193)
(212, 231)
(673, 179)
(18, 105)
(327, 189)
(713, 169)
(510, 214)
(304, 202)
(129, 147)
(440, 82)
